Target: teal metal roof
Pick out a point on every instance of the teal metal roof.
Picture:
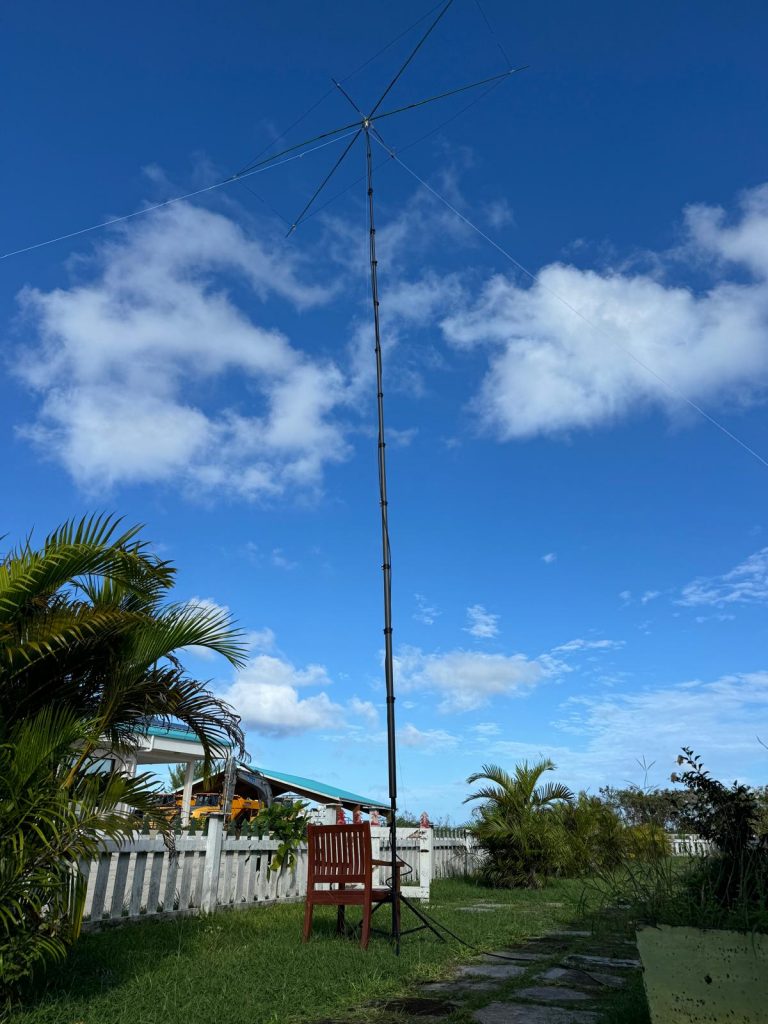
(319, 791)
(175, 732)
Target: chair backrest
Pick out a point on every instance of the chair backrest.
(339, 853)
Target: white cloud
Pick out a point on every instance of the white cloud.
(625, 596)
(470, 679)
(549, 558)
(482, 624)
(364, 709)
(587, 645)
(649, 595)
(131, 364)
(486, 729)
(207, 604)
(552, 371)
(266, 695)
(429, 740)
(716, 718)
(499, 213)
(280, 561)
(261, 639)
(746, 584)
(425, 613)
(274, 710)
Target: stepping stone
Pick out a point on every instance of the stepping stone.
(572, 934)
(513, 954)
(529, 1013)
(604, 961)
(459, 989)
(552, 994)
(585, 979)
(501, 971)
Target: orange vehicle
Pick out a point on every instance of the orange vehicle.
(243, 808)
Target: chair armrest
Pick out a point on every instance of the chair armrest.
(388, 863)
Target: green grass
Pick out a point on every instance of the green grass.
(249, 967)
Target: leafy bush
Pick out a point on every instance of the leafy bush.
(87, 657)
(669, 809)
(731, 885)
(517, 826)
(50, 819)
(282, 821)
(595, 836)
(725, 889)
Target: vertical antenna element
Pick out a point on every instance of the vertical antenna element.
(386, 566)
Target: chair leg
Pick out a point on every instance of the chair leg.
(340, 919)
(308, 908)
(365, 931)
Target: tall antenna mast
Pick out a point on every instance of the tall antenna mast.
(386, 553)
(367, 125)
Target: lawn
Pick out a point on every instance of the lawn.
(249, 967)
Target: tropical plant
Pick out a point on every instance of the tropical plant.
(88, 656)
(735, 878)
(50, 819)
(596, 838)
(84, 626)
(515, 825)
(669, 809)
(285, 822)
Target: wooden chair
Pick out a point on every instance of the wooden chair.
(341, 855)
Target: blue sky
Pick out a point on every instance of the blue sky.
(580, 557)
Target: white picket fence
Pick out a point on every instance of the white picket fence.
(210, 872)
(204, 873)
(690, 846)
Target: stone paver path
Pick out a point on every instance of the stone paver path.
(560, 978)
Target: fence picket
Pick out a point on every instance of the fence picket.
(100, 887)
(153, 893)
(171, 876)
(186, 868)
(137, 883)
(118, 888)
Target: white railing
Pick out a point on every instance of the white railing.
(145, 878)
(690, 846)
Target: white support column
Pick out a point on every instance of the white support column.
(186, 798)
(212, 866)
(426, 861)
(329, 814)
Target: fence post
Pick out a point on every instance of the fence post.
(211, 867)
(376, 853)
(426, 850)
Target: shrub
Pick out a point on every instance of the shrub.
(517, 825)
(595, 836)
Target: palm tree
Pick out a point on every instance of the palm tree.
(88, 655)
(84, 625)
(49, 821)
(522, 839)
